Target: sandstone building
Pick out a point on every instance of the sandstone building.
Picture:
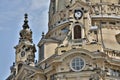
(82, 43)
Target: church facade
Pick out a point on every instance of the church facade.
(82, 43)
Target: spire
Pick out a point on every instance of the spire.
(43, 35)
(26, 33)
(25, 25)
(26, 46)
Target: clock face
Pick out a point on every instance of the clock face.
(78, 14)
(77, 64)
(22, 53)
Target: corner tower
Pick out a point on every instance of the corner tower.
(25, 50)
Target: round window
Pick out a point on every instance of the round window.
(77, 64)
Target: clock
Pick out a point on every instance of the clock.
(22, 53)
(78, 14)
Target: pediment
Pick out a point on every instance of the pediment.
(74, 51)
(27, 71)
(79, 4)
(77, 52)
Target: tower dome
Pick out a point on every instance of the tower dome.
(25, 50)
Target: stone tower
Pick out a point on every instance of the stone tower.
(25, 50)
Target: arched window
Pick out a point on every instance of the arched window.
(77, 32)
(19, 66)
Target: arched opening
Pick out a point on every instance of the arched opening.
(77, 32)
(19, 66)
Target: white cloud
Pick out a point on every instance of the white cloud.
(37, 11)
(39, 16)
(39, 4)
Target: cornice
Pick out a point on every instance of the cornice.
(29, 68)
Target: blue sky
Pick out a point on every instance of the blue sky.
(11, 21)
